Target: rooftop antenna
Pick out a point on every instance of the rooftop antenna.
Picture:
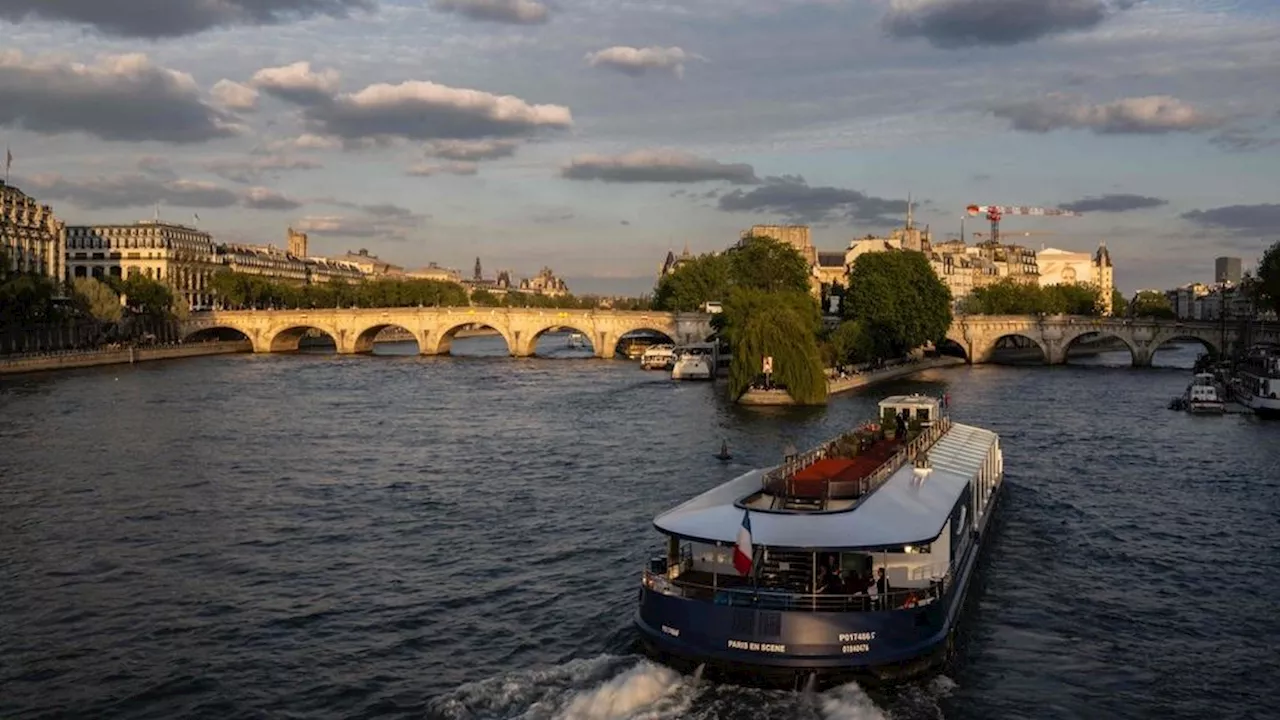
(157, 215)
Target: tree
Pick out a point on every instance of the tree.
(766, 264)
(146, 296)
(97, 300)
(26, 298)
(1151, 304)
(1011, 297)
(692, 283)
(781, 325)
(1119, 303)
(851, 342)
(1266, 283)
(898, 300)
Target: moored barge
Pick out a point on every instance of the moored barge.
(848, 561)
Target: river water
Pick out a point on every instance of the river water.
(314, 536)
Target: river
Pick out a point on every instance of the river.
(314, 536)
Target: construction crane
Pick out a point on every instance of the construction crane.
(1027, 233)
(995, 212)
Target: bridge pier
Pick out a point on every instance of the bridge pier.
(605, 344)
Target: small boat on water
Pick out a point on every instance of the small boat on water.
(850, 560)
(659, 357)
(634, 348)
(1203, 396)
(696, 361)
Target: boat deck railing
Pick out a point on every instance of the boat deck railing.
(776, 599)
(777, 480)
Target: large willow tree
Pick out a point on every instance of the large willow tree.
(782, 325)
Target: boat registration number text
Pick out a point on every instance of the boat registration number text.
(856, 642)
(756, 647)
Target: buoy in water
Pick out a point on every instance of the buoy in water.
(724, 451)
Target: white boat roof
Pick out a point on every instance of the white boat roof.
(899, 512)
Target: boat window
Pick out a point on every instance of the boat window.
(922, 414)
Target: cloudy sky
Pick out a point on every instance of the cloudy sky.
(593, 135)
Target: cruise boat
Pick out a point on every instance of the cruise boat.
(696, 361)
(1203, 397)
(1257, 381)
(659, 357)
(848, 561)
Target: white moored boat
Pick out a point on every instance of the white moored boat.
(659, 357)
(1202, 396)
(696, 361)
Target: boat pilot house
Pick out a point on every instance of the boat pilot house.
(861, 546)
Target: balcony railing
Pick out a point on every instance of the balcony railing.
(776, 480)
(772, 599)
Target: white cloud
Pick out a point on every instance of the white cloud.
(234, 96)
(639, 61)
(1150, 115)
(297, 82)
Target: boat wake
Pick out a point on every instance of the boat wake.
(613, 687)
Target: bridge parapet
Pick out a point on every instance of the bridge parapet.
(434, 328)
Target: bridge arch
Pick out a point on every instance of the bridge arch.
(1070, 342)
(631, 332)
(216, 333)
(288, 338)
(1161, 341)
(367, 336)
(528, 345)
(1006, 342)
(442, 343)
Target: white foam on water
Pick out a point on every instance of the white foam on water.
(606, 687)
(645, 691)
(849, 702)
(942, 686)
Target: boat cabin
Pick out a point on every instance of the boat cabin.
(922, 410)
(821, 542)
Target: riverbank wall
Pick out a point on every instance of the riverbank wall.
(836, 386)
(93, 358)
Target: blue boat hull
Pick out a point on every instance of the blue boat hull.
(785, 648)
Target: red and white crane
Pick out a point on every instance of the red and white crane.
(995, 212)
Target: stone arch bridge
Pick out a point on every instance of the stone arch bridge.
(1055, 334)
(354, 330)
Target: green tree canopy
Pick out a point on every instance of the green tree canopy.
(782, 325)
(852, 343)
(1266, 283)
(146, 296)
(898, 300)
(759, 263)
(1151, 304)
(762, 263)
(1119, 303)
(692, 283)
(97, 300)
(241, 290)
(1010, 297)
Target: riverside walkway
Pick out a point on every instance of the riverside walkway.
(845, 383)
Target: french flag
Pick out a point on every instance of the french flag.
(742, 552)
